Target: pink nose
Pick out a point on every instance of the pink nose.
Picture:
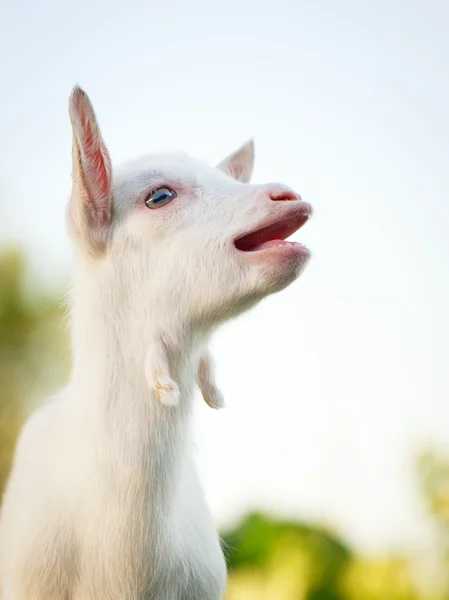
(283, 195)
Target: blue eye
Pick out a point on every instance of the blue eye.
(160, 197)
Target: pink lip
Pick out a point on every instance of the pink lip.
(273, 234)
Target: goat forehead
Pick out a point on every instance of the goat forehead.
(158, 165)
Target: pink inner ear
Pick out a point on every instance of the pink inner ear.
(236, 169)
(94, 157)
(97, 163)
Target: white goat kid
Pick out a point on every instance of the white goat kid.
(104, 501)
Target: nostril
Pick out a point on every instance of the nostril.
(284, 196)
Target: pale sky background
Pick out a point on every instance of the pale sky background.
(333, 385)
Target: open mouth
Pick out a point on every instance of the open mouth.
(276, 233)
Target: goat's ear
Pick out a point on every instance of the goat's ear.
(239, 165)
(90, 207)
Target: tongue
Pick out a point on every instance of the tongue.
(272, 244)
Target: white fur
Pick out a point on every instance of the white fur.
(104, 501)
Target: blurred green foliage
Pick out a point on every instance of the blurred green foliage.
(268, 558)
(33, 349)
(252, 543)
(314, 558)
(434, 476)
(433, 470)
(283, 560)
